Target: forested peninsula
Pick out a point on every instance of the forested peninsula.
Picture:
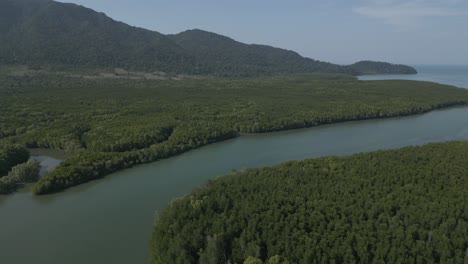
(394, 206)
(374, 67)
(111, 124)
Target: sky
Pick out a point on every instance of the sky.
(339, 31)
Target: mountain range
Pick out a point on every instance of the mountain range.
(45, 32)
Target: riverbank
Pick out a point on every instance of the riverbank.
(98, 166)
(50, 158)
(57, 154)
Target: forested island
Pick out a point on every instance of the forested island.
(111, 124)
(394, 206)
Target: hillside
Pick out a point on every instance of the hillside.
(39, 32)
(394, 206)
(49, 33)
(225, 56)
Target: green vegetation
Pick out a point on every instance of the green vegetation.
(395, 206)
(48, 33)
(220, 55)
(109, 125)
(8, 185)
(374, 67)
(27, 172)
(10, 156)
(14, 162)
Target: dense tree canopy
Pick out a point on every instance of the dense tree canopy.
(10, 156)
(26, 172)
(20, 170)
(110, 124)
(395, 206)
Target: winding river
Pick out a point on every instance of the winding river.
(110, 220)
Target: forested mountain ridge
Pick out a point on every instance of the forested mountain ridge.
(226, 56)
(45, 32)
(42, 32)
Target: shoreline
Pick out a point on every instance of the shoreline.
(47, 163)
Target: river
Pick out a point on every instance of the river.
(110, 220)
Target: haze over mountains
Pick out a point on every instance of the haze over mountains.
(44, 32)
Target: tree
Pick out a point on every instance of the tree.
(26, 172)
(213, 254)
(253, 260)
(7, 185)
(11, 155)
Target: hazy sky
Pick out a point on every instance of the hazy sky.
(340, 31)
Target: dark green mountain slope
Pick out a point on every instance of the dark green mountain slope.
(45, 32)
(217, 53)
(42, 32)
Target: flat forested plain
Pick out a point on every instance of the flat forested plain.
(111, 124)
(394, 206)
